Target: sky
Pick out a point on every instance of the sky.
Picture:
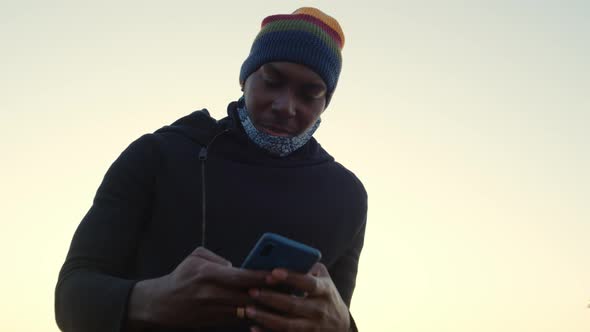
(465, 120)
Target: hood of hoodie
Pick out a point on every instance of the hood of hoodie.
(227, 135)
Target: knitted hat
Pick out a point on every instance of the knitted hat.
(308, 37)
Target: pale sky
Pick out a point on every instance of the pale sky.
(465, 120)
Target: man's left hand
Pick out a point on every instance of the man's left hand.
(320, 309)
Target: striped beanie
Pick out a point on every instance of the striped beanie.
(308, 37)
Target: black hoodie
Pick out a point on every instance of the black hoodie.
(199, 174)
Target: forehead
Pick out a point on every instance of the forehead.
(293, 71)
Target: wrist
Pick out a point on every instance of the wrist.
(142, 308)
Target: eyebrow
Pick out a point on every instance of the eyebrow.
(317, 84)
(273, 70)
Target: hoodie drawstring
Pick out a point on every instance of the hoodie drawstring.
(203, 158)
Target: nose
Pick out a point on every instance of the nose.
(284, 104)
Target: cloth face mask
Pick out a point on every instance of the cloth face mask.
(276, 145)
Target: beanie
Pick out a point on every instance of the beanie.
(307, 36)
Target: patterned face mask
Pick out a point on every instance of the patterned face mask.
(276, 145)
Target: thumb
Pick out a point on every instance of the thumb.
(210, 256)
(319, 270)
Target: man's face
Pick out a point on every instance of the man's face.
(284, 99)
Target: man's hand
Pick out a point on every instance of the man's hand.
(321, 309)
(204, 290)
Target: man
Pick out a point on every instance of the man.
(217, 186)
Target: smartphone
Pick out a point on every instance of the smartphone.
(276, 251)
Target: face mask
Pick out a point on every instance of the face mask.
(276, 145)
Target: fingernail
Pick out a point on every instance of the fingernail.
(279, 273)
(250, 312)
(254, 292)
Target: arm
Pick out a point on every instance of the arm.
(96, 290)
(344, 271)
(94, 285)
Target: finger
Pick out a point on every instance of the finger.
(255, 329)
(304, 282)
(237, 278)
(276, 322)
(271, 281)
(222, 295)
(215, 315)
(219, 313)
(223, 315)
(289, 304)
(210, 256)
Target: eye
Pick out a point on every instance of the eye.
(309, 98)
(272, 83)
(310, 95)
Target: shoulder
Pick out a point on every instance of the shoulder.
(147, 150)
(132, 171)
(140, 150)
(353, 183)
(197, 126)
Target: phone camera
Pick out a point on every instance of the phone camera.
(267, 249)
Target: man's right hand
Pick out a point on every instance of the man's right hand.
(204, 290)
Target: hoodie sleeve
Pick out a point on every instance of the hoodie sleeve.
(94, 282)
(344, 270)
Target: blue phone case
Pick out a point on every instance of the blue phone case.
(275, 251)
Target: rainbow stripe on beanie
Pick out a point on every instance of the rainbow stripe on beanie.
(307, 36)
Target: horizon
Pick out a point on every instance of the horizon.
(466, 122)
